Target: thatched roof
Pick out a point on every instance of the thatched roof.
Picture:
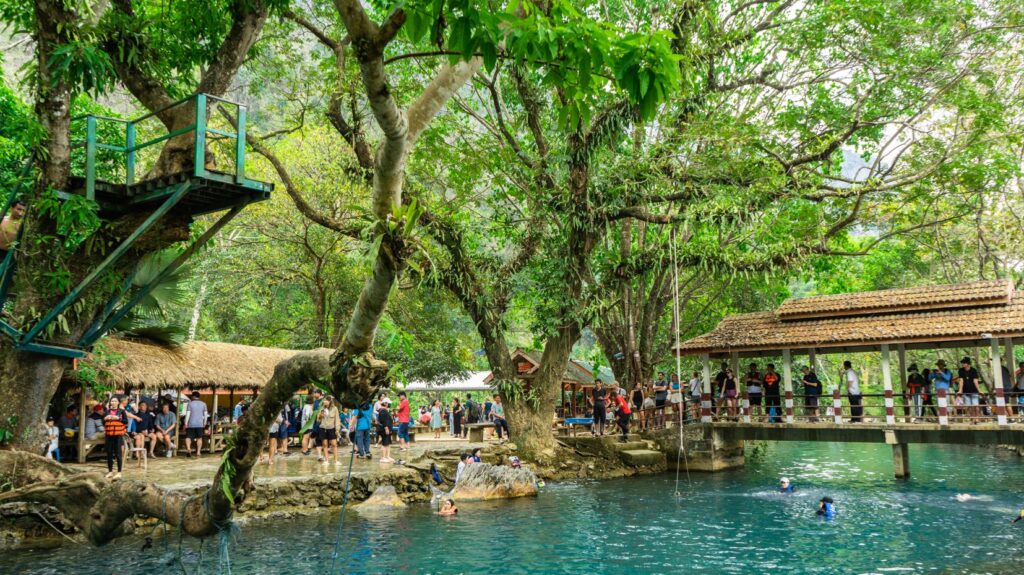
(194, 365)
(962, 315)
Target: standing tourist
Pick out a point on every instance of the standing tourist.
(165, 424)
(498, 414)
(754, 390)
(729, 393)
(306, 414)
(638, 403)
(853, 393)
(772, 395)
(457, 414)
(660, 399)
(330, 421)
(115, 426)
(970, 391)
(436, 423)
(384, 423)
(916, 384)
(404, 419)
(812, 391)
(598, 398)
(364, 421)
(623, 411)
(696, 389)
(675, 394)
(52, 440)
(195, 421)
(1018, 392)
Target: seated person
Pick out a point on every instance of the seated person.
(68, 423)
(94, 423)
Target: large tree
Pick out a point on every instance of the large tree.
(99, 507)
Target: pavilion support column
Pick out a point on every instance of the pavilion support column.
(1011, 366)
(81, 424)
(901, 355)
(787, 382)
(705, 395)
(890, 417)
(741, 389)
(997, 382)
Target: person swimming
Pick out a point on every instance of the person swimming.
(785, 486)
(448, 508)
(827, 507)
(1018, 517)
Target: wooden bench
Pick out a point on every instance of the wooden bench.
(476, 431)
(66, 447)
(412, 434)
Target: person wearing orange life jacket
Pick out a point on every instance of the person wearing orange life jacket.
(115, 426)
(624, 413)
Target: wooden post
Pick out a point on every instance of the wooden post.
(890, 417)
(1011, 366)
(231, 401)
(81, 425)
(901, 355)
(943, 407)
(997, 381)
(787, 382)
(705, 396)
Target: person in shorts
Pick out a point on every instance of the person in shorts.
(195, 422)
(404, 420)
(812, 391)
(384, 430)
(754, 389)
(696, 388)
(660, 399)
(599, 396)
(970, 392)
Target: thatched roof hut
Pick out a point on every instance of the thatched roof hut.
(194, 365)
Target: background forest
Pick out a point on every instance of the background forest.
(927, 188)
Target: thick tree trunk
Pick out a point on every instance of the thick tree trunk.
(29, 382)
(532, 413)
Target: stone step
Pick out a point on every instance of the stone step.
(631, 445)
(642, 457)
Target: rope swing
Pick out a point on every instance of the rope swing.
(681, 454)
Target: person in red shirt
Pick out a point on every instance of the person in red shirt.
(403, 422)
(622, 406)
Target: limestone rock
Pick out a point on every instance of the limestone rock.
(384, 497)
(485, 481)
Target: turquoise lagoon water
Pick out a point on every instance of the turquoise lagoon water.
(725, 523)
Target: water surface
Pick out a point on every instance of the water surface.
(725, 523)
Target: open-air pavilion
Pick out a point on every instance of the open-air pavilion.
(214, 369)
(970, 315)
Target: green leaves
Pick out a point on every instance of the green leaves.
(84, 66)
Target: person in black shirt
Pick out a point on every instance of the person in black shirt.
(812, 391)
(969, 389)
(716, 389)
(660, 399)
(772, 396)
(144, 428)
(598, 396)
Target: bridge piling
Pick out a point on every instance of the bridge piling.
(901, 460)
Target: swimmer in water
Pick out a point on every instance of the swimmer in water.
(961, 497)
(448, 508)
(785, 486)
(1018, 518)
(827, 507)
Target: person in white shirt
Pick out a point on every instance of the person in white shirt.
(853, 393)
(53, 435)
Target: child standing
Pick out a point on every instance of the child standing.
(53, 436)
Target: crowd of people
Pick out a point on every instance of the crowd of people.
(664, 399)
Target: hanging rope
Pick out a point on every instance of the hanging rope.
(681, 454)
(341, 520)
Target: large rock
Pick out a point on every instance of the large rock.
(384, 497)
(486, 481)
